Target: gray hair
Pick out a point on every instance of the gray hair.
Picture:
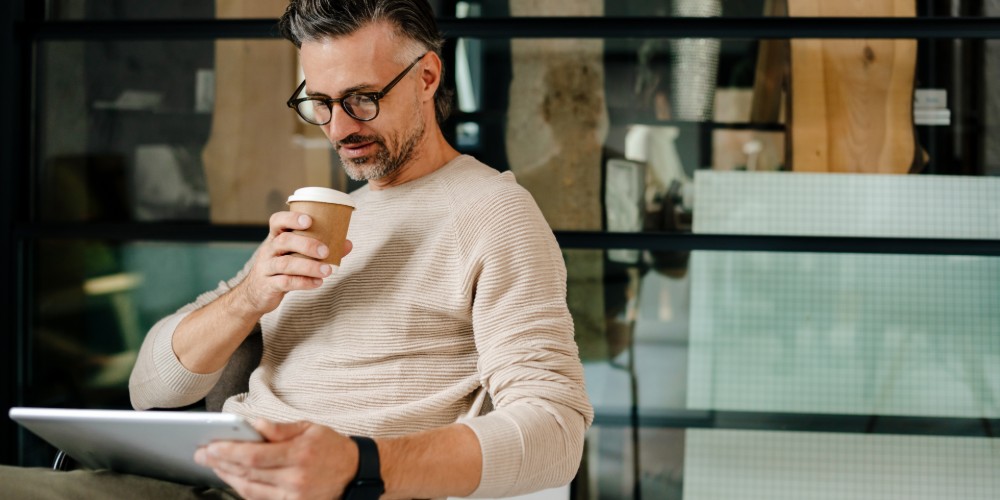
(310, 20)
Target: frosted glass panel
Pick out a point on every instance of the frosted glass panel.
(785, 203)
(762, 465)
(846, 334)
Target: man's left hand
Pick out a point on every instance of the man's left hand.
(299, 460)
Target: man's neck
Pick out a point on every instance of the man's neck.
(433, 153)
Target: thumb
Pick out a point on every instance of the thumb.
(276, 431)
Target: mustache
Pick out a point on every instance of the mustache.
(358, 139)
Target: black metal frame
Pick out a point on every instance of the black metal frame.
(15, 156)
(806, 422)
(23, 26)
(598, 240)
(566, 27)
(8, 287)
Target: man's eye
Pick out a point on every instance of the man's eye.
(359, 100)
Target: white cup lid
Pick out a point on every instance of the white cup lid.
(322, 195)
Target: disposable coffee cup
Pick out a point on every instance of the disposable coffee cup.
(330, 211)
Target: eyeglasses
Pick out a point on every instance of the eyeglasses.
(362, 106)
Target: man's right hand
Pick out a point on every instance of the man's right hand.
(284, 262)
(205, 339)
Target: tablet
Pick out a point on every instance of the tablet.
(158, 444)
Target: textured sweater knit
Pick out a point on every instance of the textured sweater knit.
(455, 283)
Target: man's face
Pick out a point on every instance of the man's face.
(365, 62)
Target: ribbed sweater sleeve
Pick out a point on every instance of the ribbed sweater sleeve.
(528, 359)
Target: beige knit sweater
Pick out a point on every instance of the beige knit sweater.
(455, 282)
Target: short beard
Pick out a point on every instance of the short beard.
(384, 162)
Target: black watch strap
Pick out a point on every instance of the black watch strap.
(367, 483)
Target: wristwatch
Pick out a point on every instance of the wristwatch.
(367, 483)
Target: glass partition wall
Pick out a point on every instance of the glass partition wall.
(783, 245)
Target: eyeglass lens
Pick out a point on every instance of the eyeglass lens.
(360, 107)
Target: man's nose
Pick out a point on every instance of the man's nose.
(341, 124)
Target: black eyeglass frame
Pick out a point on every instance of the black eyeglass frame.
(330, 101)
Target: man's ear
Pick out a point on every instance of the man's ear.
(430, 75)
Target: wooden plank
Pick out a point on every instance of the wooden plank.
(851, 100)
(259, 151)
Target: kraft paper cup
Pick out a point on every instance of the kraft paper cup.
(331, 215)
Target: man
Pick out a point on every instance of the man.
(453, 293)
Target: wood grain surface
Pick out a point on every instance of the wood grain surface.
(852, 100)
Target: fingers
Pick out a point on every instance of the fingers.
(293, 265)
(285, 262)
(299, 460)
(238, 458)
(281, 222)
(276, 432)
(286, 243)
(293, 260)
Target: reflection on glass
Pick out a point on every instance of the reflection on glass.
(94, 303)
(151, 130)
(158, 130)
(643, 124)
(858, 205)
(124, 140)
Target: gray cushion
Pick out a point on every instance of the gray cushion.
(236, 376)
